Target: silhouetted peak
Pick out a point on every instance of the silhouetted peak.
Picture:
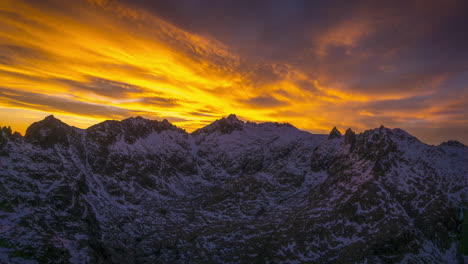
(274, 124)
(6, 130)
(7, 133)
(135, 119)
(232, 118)
(453, 143)
(141, 122)
(50, 117)
(349, 136)
(378, 142)
(48, 132)
(396, 134)
(130, 129)
(335, 133)
(48, 122)
(224, 125)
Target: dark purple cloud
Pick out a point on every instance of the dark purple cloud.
(264, 101)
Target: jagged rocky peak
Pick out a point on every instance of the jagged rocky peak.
(375, 138)
(154, 125)
(224, 125)
(6, 130)
(453, 143)
(232, 118)
(387, 134)
(130, 129)
(350, 136)
(5, 134)
(49, 132)
(139, 127)
(272, 124)
(335, 133)
(8, 133)
(378, 142)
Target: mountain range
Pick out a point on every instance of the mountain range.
(146, 191)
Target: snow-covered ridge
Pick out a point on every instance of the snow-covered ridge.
(145, 191)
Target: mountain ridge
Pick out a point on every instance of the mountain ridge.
(224, 124)
(145, 191)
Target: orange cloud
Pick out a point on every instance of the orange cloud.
(86, 61)
(108, 56)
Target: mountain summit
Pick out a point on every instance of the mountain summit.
(145, 191)
(49, 132)
(223, 125)
(335, 133)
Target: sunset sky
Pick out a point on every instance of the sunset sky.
(314, 64)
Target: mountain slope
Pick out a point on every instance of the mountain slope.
(143, 191)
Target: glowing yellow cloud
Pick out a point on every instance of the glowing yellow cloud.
(87, 61)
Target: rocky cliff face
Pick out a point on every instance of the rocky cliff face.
(143, 191)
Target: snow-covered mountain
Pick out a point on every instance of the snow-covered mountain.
(144, 191)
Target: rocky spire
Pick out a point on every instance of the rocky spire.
(6, 130)
(335, 133)
(349, 136)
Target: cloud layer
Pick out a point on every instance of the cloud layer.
(315, 64)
